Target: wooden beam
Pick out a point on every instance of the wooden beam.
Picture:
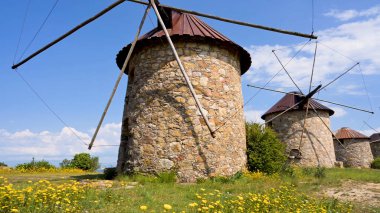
(182, 68)
(68, 33)
(121, 73)
(311, 36)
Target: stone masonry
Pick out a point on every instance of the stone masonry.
(162, 128)
(354, 152)
(317, 147)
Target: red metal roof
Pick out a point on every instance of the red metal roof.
(186, 25)
(290, 100)
(347, 133)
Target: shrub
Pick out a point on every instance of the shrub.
(167, 177)
(110, 173)
(2, 164)
(265, 152)
(35, 166)
(376, 163)
(82, 161)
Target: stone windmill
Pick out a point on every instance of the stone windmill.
(161, 128)
(353, 148)
(316, 147)
(303, 124)
(375, 144)
(179, 95)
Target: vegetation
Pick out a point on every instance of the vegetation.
(248, 192)
(82, 161)
(110, 173)
(376, 163)
(35, 166)
(265, 152)
(2, 164)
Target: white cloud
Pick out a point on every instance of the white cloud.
(55, 146)
(357, 41)
(345, 15)
(254, 116)
(339, 112)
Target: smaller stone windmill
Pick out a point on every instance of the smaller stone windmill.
(353, 149)
(316, 146)
(375, 144)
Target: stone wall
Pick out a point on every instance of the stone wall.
(354, 152)
(317, 144)
(162, 127)
(375, 147)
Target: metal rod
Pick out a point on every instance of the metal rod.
(340, 76)
(363, 110)
(312, 70)
(304, 124)
(119, 77)
(315, 111)
(290, 108)
(283, 67)
(311, 36)
(69, 33)
(317, 99)
(182, 68)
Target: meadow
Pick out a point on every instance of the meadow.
(70, 190)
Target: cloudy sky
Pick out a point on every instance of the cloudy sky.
(75, 77)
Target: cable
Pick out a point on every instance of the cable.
(250, 99)
(336, 51)
(48, 107)
(312, 17)
(22, 30)
(39, 29)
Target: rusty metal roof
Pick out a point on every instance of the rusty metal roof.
(186, 25)
(375, 137)
(291, 99)
(347, 133)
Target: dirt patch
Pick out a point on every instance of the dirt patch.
(357, 192)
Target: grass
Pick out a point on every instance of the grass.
(129, 193)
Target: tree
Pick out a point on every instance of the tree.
(82, 161)
(265, 152)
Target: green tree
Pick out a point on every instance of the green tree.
(82, 161)
(265, 152)
(2, 164)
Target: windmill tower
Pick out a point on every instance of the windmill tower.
(375, 144)
(161, 126)
(316, 147)
(162, 129)
(354, 149)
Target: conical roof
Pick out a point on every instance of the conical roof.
(186, 25)
(347, 133)
(375, 137)
(290, 100)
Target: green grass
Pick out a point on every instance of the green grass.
(130, 192)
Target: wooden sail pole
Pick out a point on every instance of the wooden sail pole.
(68, 33)
(165, 6)
(317, 99)
(182, 68)
(119, 77)
(233, 21)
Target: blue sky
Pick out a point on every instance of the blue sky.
(76, 76)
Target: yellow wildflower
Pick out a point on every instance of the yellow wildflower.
(143, 208)
(167, 206)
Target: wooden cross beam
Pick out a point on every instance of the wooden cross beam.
(73, 30)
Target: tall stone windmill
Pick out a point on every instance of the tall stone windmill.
(170, 86)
